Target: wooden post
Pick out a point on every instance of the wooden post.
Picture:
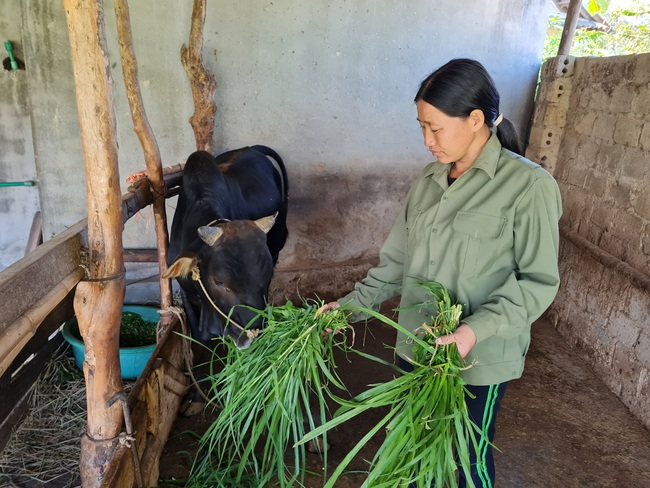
(570, 23)
(98, 300)
(150, 149)
(202, 82)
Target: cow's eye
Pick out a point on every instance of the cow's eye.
(220, 284)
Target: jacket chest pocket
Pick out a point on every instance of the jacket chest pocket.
(480, 241)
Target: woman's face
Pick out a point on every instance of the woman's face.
(450, 139)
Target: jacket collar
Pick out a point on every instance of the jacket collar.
(487, 160)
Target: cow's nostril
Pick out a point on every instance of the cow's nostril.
(243, 341)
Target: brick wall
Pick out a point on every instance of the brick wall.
(592, 131)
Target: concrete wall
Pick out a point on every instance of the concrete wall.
(17, 204)
(601, 140)
(329, 85)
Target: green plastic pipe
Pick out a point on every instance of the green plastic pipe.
(10, 49)
(16, 183)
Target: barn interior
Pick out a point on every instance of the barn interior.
(330, 87)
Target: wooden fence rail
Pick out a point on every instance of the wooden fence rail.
(27, 288)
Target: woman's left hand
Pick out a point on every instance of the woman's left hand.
(464, 338)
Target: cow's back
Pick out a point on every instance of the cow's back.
(199, 202)
(242, 184)
(263, 187)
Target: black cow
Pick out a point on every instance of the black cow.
(226, 206)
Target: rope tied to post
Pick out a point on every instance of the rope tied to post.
(188, 356)
(127, 439)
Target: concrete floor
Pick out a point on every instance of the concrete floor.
(559, 425)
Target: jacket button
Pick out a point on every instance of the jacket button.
(434, 229)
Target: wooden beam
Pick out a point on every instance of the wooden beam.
(637, 278)
(35, 233)
(16, 385)
(154, 402)
(29, 279)
(15, 336)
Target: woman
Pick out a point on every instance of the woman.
(482, 221)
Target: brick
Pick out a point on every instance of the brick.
(623, 328)
(628, 227)
(598, 306)
(604, 126)
(641, 203)
(575, 202)
(638, 306)
(643, 395)
(622, 98)
(575, 174)
(635, 163)
(619, 192)
(582, 95)
(644, 140)
(627, 130)
(595, 182)
(645, 242)
(604, 216)
(624, 367)
(598, 98)
(641, 100)
(642, 68)
(585, 123)
(587, 151)
(609, 157)
(567, 152)
(571, 215)
(642, 347)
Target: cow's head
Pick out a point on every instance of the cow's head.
(235, 268)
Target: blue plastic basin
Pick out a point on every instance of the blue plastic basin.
(132, 359)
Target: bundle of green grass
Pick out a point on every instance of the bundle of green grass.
(429, 433)
(271, 394)
(269, 391)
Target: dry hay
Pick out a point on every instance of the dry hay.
(44, 449)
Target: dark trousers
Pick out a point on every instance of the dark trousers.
(483, 412)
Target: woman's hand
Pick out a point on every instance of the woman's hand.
(327, 307)
(464, 338)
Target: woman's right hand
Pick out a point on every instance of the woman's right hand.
(327, 307)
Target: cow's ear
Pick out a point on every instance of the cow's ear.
(265, 223)
(180, 268)
(210, 235)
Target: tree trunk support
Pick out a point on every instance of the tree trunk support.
(98, 300)
(202, 83)
(151, 152)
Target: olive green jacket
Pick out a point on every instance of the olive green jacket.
(491, 239)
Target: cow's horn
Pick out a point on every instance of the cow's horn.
(265, 223)
(210, 235)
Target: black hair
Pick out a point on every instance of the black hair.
(464, 85)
